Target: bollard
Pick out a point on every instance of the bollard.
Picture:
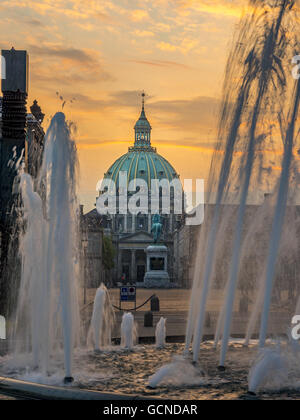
(208, 320)
(148, 319)
(155, 304)
(243, 309)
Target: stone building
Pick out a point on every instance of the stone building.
(91, 227)
(185, 245)
(131, 233)
(35, 136)
(254, 250)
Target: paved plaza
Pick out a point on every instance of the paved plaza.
(174, 306)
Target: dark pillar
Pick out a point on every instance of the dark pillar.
(155, 307)
(133, 266)
(12, 145)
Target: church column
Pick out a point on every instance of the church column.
(149, 222)
(133, 222)
(148, 262)
(119, 269)
(133, 265)
(171, 223)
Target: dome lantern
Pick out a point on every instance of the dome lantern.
(142, 129)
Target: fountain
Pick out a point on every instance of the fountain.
(177, 373)
(282, 200)
(259, 111)
(128, 331)
(102, 319)
(256, 151)
(263, 50)
(47, 317)
(160, 333)
(269, 366)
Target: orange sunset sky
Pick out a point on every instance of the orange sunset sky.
(104, 53)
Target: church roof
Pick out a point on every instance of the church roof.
(142, 122)
(142, 160)
(141, 164)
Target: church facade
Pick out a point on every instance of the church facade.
(131, 233)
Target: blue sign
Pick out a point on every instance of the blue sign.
(128, 294)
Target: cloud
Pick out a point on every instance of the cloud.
(231, 8)
(125, 98)
(84, 49)
(166, 46)
(226, 8)
(103, 17)
(138, 15)
(143, 34)
(188, 114)
(162, 27)
(81, 56)
(184, 46)
(73, 9)
(56, 75)
(61, 65)
(86, 102)
(197, 116)
(161, 63)
(33, 22)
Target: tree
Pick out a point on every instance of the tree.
(108, 253)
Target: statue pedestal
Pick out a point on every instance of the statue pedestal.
(157, 267)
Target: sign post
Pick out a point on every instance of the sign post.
(128, 294)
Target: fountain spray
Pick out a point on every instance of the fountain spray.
(265, 66)
(128, 331)
(203, 288)
(279, 213)
(102, 319)
(160, 333)
(47, 316)
(253, 93)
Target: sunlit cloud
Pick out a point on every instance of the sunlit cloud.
(138, 15)
(161, 63)
(216, 7)
(104, 53)
(166, 46)
(143, 34)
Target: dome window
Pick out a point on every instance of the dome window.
(161, 173)
(142, 172)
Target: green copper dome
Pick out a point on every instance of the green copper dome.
(141, 164)
(142, 160)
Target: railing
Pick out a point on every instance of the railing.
(118, 307)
